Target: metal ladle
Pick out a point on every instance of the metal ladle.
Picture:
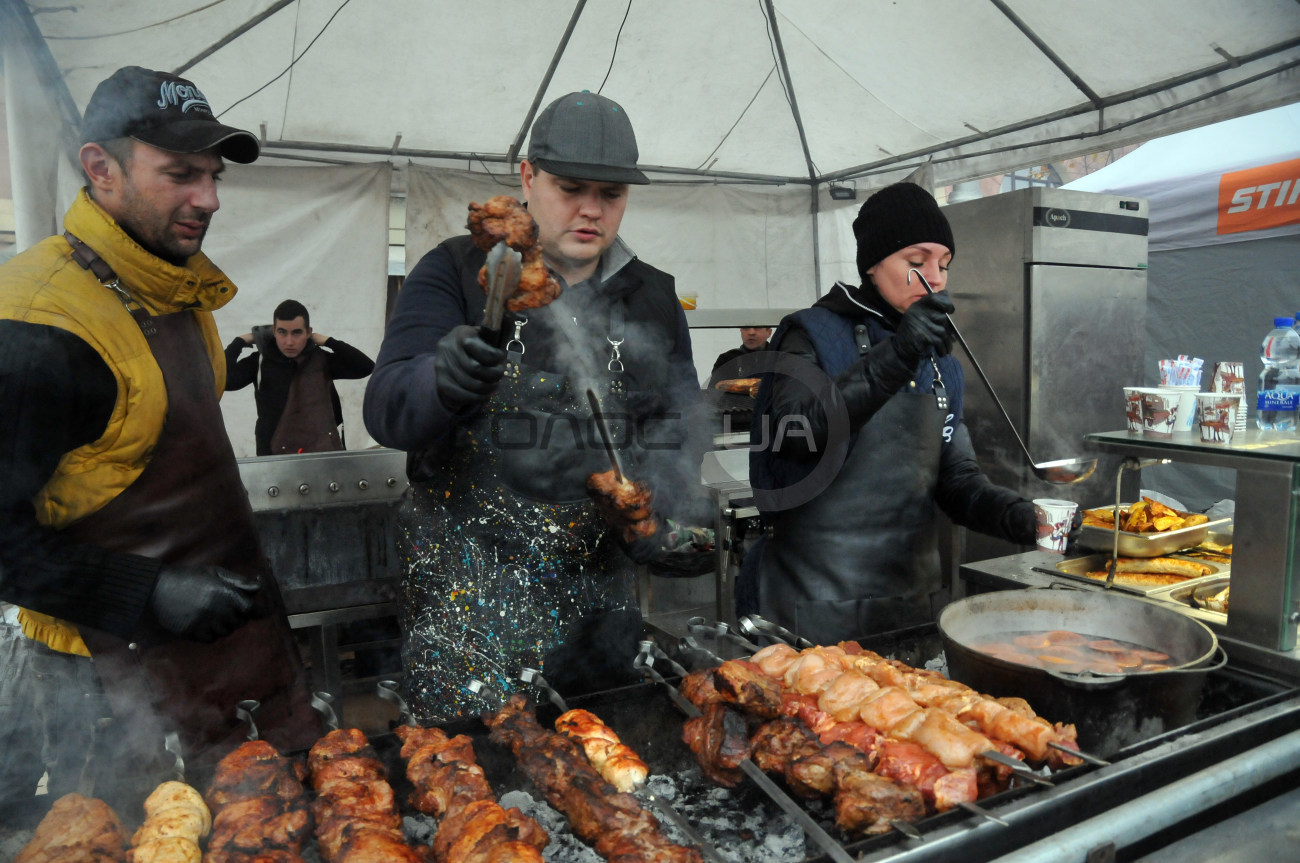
(1060, 472)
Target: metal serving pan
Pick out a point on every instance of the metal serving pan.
(1195, 594)
(1079, 567)
(1157, 544)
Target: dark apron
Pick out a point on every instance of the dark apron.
(189, 507)
(307, 423)
(509, 564)
(862, 557)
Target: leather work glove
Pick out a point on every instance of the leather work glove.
(203, 603)
(924, 329)
(467, 368)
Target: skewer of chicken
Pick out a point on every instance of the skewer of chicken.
(614, 760)
(259, 807)
(77, 829)
(450, 784)
(176, 820)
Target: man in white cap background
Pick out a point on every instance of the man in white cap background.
(125, 531)
(510, 564)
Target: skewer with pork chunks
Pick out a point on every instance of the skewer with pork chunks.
(613, 759)
(355, 809)
(176, 819)
(77, 829)
(611, 822)
(625, 503)
(259, 807)
(503, 218)
(450, 785)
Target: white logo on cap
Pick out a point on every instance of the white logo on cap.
(187, 96)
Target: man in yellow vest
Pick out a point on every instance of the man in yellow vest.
(125, 532)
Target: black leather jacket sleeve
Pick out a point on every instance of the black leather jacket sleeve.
(859, 392)
(968, 496)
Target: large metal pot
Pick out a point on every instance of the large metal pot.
(1110, 711)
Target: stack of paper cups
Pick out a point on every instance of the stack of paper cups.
(1229, 377)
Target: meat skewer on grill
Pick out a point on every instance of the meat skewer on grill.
(77, 829)
(611, 822)
(176, 819)
(450, 784)
(259, 807)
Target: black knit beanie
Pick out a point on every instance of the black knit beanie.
(894, 218)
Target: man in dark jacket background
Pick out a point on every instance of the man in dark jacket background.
(292, 377)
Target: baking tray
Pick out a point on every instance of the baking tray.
(1078, 567)
(1159, 544)
(1193, 593)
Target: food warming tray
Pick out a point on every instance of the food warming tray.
(1156, 544)
(1079, 567)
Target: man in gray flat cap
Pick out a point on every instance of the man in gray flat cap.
(511, 565)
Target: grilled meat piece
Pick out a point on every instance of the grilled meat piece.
(613, 823)
(77, 829)
(614, 760)
(698, 688)
(449, 783)
(503, 218)
(259, 806)
(356, 814)
(719, 737)
(743, 683)
(625, 504)
(176, 819)
(866, 802)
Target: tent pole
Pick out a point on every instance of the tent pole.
(817, 243)
(230, 37)
(518, 142)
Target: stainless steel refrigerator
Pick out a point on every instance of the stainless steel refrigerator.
(1050, 294)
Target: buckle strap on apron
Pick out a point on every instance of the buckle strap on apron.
(90, 260)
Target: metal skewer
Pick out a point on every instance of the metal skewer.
(721, 630)
(172, 743)
(533, 676)
(605, 437)
(323, 702)
(976, 809)
(388, 690)
(245, 710)
(487, 693)
(1061, 472)
(1017, 767)
(644, 661)
(1082, 756)
(752, 624)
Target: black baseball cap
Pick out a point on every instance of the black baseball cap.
(164, 111)
(587, 137)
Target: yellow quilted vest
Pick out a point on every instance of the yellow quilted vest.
(45, 285)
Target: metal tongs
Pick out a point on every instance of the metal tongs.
(663, 807)
(1062, 471)
(503, 269)
(599, 418)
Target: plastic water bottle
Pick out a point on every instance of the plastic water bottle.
(1278, 401)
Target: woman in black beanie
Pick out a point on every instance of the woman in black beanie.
(858, 435)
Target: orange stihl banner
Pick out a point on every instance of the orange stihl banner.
(1257, 198)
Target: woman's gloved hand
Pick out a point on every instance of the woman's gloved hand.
(467, 367)
(203, 603)
(1021, 523)
(924, 329)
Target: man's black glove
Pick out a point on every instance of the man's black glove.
(202, 603)
(924, 329)
(467, 367)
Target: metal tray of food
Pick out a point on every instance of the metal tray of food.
(1079, 567)
(1154, 544)
(1202, 595)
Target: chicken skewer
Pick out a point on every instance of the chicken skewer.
(450, 784)
(355, 809)
(77, 829)
(176, 819)
(259, 807)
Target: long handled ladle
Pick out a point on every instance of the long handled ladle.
(1062, 471)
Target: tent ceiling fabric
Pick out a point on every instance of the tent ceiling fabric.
(880, 85)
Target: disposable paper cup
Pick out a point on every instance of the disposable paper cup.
(1160, 412)
(1133, 408)
(1217, 415)
(1054, 519)
(1186, 407)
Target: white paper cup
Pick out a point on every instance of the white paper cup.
(1217, 415)
(1133, 408)
(1054, 519)
(1160, 412)
(1186, 407)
